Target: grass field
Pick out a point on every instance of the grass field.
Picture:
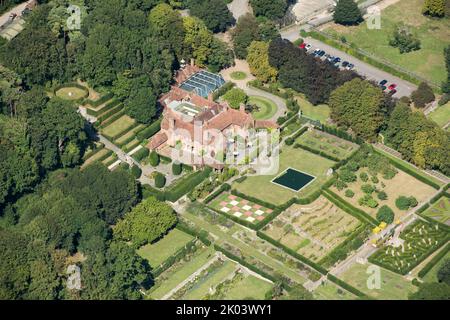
(320, 112)
(401, 185)
(267, 108)
(420, 239)
(440, 211)
(255, 288)
(329, 291)
(261, 186)
(158, 252)
(392, 286)
(327, 144)
(71, 93)
(238, 75)
(120, 125)
(312, 230)
(173, 276)
(434, 35)
(441, 115)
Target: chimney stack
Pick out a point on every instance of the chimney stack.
(192, 62)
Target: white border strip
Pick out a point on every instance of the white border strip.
(284, 172)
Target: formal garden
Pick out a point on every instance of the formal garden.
(264, 108)
(326, 144)
(417, 242)
(262, 187)
(372, 183)
(240, 208)
(440, 210)
(313, 230)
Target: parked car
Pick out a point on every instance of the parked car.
(308, 47)
(392, 86)
(383, 82)
(321, 53)
(345, 64)
(392, 92)
(316, 52)
(302, 45)
(336, 60)
(350, 66)
(383, 88)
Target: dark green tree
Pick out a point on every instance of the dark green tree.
(347, 12)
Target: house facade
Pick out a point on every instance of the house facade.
(197, 130)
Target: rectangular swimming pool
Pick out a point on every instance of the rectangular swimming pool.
(293, 179)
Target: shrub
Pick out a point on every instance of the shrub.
(423, 95)
(413, 202)
(177, 168)
(289, 141)
(403, 39)
(160, 180)
(403, 203)
(141, 154)
(150, 130)
(235, 97)
(154, 159)
(347, 13)
(349, 193)
(385, 214)
(347, 176)
(364, 177)
(368, 201)
(382, 195)
(136, 172)
(367, 188)
(340, 185)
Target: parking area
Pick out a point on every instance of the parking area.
(396, 86)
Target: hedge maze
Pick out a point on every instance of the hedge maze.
(420, 239)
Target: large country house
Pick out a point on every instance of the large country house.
(197, 130)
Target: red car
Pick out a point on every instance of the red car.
(302, 46)
(392, 86)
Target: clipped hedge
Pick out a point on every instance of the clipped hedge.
(202, 235)
(246, 264)
(293, 253)
(150, 130)
(110, 109)
(347, 286)
(111, 119)
(223, 89)
(187, 184)
(100, 101)
(177, 256)
(75, 85)
(318, 152)
(408, 170)
(422, 273)
(224, 187)
(149, 191)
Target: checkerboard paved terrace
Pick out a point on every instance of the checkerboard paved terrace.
(240, 208)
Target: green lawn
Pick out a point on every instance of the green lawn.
(172, 277)
(329, 291)
(267, 108)
(392, 285)
(261, 186)
(320, 112)
(255, 288)
(158, 252)
(238, 75)
(122, 124)
(441, 115)
(434, 35)
(71, 93)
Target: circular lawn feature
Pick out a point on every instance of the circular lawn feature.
(267, 108)
(238, 75)
(71, 93)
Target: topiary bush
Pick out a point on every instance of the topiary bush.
(403, 203)
(154, 159)
(136, 172)
(385, 214)
(349, 193)
(382, 195)
(177, 168)
(160, 180)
